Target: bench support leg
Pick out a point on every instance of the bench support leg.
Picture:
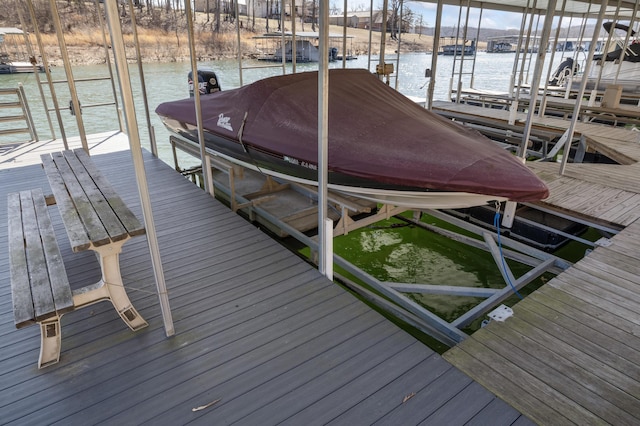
(110, 287)
(50, 342)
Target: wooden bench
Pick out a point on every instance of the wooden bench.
(39, 285)
(95, 218)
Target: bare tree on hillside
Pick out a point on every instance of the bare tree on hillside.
(217, 17)
(396, 22)
(303, 14)
(253, 16)
(267, 19)
(231, 11)
(419, 25)
(393, 20)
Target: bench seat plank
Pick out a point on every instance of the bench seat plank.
(80, 202)
(36, 263)
(129, 220)
(59, 282)
(76, 232)
(92, 211)
(39, 282)
(20, 288)
(109, 221)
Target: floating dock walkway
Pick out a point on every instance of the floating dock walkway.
(261, 337)
(571, 352)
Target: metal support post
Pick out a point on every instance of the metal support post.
(126, 92)
(325, 256)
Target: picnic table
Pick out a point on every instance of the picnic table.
(95, 218)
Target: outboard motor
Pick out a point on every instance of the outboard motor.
(207, 82)
(566, 69)
(333, 53)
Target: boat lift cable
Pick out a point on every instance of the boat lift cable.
(496, 223)
(244, 147)
(240, 131)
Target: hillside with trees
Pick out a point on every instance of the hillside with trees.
(162, 28)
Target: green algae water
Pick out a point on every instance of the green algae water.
(395, 251)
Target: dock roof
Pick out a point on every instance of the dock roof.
(568, 7)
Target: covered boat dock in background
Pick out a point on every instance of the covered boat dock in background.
(263, 338)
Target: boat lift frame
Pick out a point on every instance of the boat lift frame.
(391, 295)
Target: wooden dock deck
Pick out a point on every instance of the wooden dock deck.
(571, 352)
(257, 329)
(27, 153)
(606, 194)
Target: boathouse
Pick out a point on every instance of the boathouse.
(216, 321)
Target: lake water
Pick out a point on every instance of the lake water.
(387, 251)
(168, 81)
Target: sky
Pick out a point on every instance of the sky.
(490, 18)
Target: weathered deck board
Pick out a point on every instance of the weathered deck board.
(605, 194)
(575, 339)
(256, 327)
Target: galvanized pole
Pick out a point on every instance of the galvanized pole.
(632, 20)
(325, 253)
(35, 73)
(383, 36)
(204, 158)
(344, 35)
(293, 35)
(399, 44)
(239, 40)
(143, 86)
(510, 206)
(124, 80)
(75, 102)
(283, 47)
(434, 56)
(537, 76)
(543, 104)
(108, 64)
(583, 86)
(370, 35)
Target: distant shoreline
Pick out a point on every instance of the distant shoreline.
(156, 46)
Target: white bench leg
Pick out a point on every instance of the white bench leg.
(50, 342)
(110, 287)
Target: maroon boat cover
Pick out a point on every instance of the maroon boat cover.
(375, 133)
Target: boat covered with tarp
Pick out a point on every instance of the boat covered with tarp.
(381, 145)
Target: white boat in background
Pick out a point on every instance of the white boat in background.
(621, 65)
(306, 47)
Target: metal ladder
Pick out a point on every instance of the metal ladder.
(74, 104)
(17, 119)
(459, 61)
